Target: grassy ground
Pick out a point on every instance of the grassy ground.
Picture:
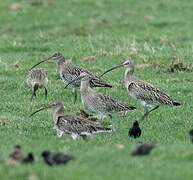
(97, 35)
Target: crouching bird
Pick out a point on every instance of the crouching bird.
(73, 125)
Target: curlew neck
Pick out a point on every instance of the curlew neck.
(60, 63)
(85, 87)
(128, 75)
(59, 111)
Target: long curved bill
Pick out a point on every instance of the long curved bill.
(111, 69)
(40, 62)
(41, 109)
(74, 80)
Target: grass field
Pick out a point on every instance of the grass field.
(97, 35)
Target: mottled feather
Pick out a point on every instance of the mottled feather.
(70, 72)
(77, 125)
(110, 104)
(149, 94)
(38, 77)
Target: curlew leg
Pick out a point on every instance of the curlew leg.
(34, 89)
(148, 111)
(46, 92)
(156, 107)
(75, 95)
(33, 94)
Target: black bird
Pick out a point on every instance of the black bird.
(135, 130)
(142, 149)
(52, 159)
(191, 135)
(28, 159)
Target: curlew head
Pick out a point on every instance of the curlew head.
(54, 107)
(57, 56)
(82, 77)
(128, 64)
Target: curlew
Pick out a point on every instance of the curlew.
(75, 126)
(98, 103)
(69, 71)
(149, 96)
(37, 78)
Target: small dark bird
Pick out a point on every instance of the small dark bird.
(135, 130)
(142, 149)
(191, 135)
(28, 159)
(52, 159)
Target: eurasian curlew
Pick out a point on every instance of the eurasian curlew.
(98, 103)
(37, 78)
(149, 96)
(69, 71)
(73, 125)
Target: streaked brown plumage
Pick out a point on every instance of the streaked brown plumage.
(98, 103)
(73, 125)
(17, 156)
(69, 71)
(37, 78)
(148, 95)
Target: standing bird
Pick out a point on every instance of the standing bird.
(52, 159)
(142, 149)
(37, 78)
(150, 96)
(98, 103)
(68, 72)
(135, 130)
(73, 125)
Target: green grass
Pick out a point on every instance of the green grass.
(151, 32)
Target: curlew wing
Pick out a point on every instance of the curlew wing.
(71, 72)
(150, 94)
(107, 103)
(78, 125)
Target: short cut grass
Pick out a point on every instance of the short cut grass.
(97, 35)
